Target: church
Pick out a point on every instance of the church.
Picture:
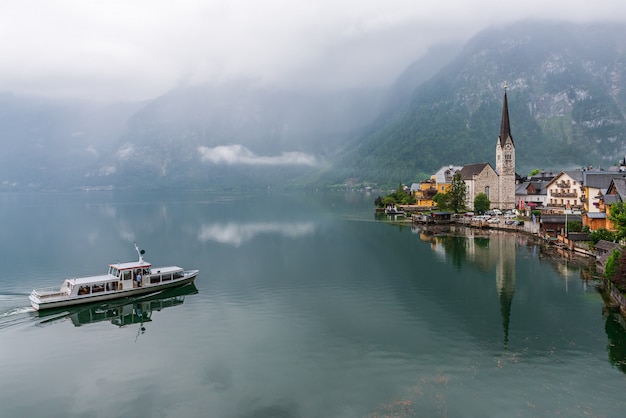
(499, 183)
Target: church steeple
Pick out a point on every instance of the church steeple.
(505, 161)
(505, 126)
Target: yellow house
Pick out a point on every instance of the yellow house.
(440, 182)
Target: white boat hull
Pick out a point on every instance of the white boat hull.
(60, 302)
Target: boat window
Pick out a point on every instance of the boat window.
(166, 277)
(154, 279)
(98, 287)
(126, 274)
(179, 275)
(84, 290)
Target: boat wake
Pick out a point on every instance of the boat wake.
(17, 311)
(15, 315)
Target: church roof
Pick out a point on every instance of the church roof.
(468, 171)
(505, 125)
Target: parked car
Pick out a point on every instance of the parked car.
(493, 221)
(497, 212)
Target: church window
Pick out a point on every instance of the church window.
(487, 190)
(507, 157)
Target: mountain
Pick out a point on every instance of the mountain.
(48, 143)
(566, 87)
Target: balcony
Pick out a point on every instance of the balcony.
(563, 194)
(563, 184)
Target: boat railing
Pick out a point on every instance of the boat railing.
(49, 292)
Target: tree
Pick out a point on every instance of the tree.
(534, 172)
(457, 193)
(441, 199)
(481, 203)
(601, 234)
(399, 197)
(618, 217)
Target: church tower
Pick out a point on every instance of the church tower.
(505, 162)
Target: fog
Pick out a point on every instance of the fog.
(121, 50)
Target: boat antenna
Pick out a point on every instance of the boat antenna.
(140, 253)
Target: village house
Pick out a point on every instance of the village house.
(596, 185)
(565, 191)
(440, 182)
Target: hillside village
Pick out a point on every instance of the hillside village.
(583, 195)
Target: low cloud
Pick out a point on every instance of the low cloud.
(238, 154)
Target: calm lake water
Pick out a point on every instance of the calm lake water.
(305, 306)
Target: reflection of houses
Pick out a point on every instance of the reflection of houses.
(505, 282)
(496, 251)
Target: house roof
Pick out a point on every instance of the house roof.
(576, 175)
(596, 215)
(611, 198)
(445, 174)
(607, 245)
(560, 219)
(578, 236)
(619, 184)
(598, 180)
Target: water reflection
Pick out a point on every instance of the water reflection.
(120, 313)
(486, 252)
(616, 334)
(239, 233)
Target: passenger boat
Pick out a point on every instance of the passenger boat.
(122, 280)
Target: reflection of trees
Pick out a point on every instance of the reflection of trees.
(456, 249)
(617, 342)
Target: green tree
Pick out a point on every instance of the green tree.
(601, 234)
(534, 172)
(481, 203)
(573, 226)
(399, 197)
(457, 193)
(441, 199)
(618, 217)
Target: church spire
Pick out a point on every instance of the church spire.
(505, 126)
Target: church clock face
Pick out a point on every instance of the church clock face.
(507, 146)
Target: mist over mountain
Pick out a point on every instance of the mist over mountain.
(567, 103)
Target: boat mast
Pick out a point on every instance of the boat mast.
(140, 253)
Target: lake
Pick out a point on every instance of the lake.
(306, 305)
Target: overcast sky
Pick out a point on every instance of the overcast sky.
(139, 49)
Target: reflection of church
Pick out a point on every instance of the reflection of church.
(485, 253)
(505, 282)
